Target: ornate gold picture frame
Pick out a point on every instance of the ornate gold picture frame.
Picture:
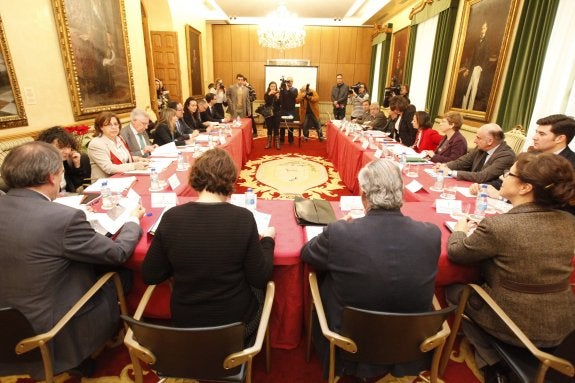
(397, 60)
(12, 112)
(94, 43)
(482, 46)
(194, 53)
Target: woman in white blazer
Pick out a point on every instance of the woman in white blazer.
(108, 152)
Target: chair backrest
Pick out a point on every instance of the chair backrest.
(389, 338)
(190, 352)
(515, 139)
(15, 327)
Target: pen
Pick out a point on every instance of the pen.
(149, 214)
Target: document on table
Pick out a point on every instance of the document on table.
(347, 203)
(447, 206)
(71, 201)
(116, 185)
(154, 227)
(262, 220)
(465, 191)
(159, 164)
(433, 173)
(313, 231)
(113, 220)
(167, 150)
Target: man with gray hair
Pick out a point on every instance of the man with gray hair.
(384, 261)
(491, 157)
(49, 252)
(135, 134)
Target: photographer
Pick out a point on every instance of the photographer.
(357, 95)
(339, 94)
(272, 123)
(308, 100)
(288, 96)
(393, 90)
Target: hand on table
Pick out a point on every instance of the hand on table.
(141, 165)
(138, 212)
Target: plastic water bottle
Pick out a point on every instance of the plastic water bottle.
(439, 181)
(154, 179)
(250, 199)
(403, 162)
(181, 161)
(238, 120)
(481, 203)
(107, 201)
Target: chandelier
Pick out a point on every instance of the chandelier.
(281, 29)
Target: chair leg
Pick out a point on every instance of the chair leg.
(454, 329)
(331, 377)
(268, 363)
(308, 332)
(138, 373)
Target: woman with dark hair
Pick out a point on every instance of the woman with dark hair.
(272, 98)
(108, 152)
(212, 251)
(192, 115)
(525, 256)
(426, 138)
(166, 131)
(453, 145)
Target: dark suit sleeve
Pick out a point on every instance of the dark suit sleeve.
(500, 161)
(316, 251)
(82, 243)
(162, 135)
(379, 122)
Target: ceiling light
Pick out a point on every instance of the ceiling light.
(281, 29)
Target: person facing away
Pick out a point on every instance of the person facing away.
(525, 257)
(453, 145)
(384, 261)
(212, 251)
(487, 161)
(49, 253)
(76, 165)
(135, 134)
(339, 94)
(308, 100)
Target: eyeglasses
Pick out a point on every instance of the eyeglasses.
(508, 173)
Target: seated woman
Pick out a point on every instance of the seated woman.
(192, 115)
(213, 252)
(525, 256)
(166, 131)
(108, 152)
(76, 165)
(378, 251)
(453, 145)
(426, 138)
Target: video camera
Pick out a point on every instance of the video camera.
(308, 92)
(393, 90)
(283, 83)
(355, 88)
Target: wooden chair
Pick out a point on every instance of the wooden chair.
(515, 138)
(209, 353)
(381, 337)
(19, 342)
(530, 364)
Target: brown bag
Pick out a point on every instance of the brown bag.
(313, 212)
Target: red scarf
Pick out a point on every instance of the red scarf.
(116, 160)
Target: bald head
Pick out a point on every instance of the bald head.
(489, 136)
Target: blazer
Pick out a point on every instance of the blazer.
(133, 142)
(450, 149)
(232, 94)
(378, 122)
(467, 166)
(45, 276)
(194, 122)
(104, 158)
(304, 103)
(208, 116)
(406, 132)
(516, 247)
(162, 136)
(569, 155)
(429, 140)
(384, 261)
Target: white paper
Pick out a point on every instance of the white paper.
(166, 150)
(378, 153)
(202, 137)
(262, 220)
(347, 203)
(116, 185)
(400, 149)
(133, 195)
(154, 227)
(174, 181)
(364, 145)
(499, 206)
(313, 231)
(451, 225)
(222, 140)
(238, 200)
(464, 191)
(433, 173)
(164, 199)
(447, 206)
(414, 186)
(71, 201)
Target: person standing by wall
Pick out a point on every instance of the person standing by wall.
(339, 94)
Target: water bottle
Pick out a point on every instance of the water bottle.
(107, 201)
(250, 199)
(438, 186)
(238, 120)
(154, 180)
(481, 202)
(403, 162)
(181, 161)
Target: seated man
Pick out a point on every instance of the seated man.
(378, 119)
(50, 251)
(136, 136)
(365, 116)
(374, 263)
(77, 168)
(181, 125)
(487, 161)
(209, 113)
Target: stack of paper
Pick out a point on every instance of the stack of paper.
(167, 150)
(348, 203)
(116, 185)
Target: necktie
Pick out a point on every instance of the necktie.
(480, 163)
(142, 141)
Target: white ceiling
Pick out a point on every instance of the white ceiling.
(312, 12)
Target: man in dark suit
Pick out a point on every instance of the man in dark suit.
(208, 113)
(375, 263)
(378, 119)
(403, 126)
(136, 136)
(181, 125)
(487, 161)
(553, 135)
(48, 255)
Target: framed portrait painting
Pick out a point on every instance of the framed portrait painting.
(398, 54)
(194, 50)
(94, 43)
(12, 112)
(482, 45)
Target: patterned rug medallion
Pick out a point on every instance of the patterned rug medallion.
(285, 176)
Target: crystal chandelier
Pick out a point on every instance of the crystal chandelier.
(281, 29)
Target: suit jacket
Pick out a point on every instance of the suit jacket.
(467, 166)
(207, 115)
(378, 121)
(232, 94)
(304, 103)
(163, 136)
(182, 127)
(569, 155)
(133, 141)
(45, 276)
(429, 140)
(194, 122)
(450, 149)
(102, 152)
(406, 132)
(384, 261)
(514, 247)
(76, 177)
